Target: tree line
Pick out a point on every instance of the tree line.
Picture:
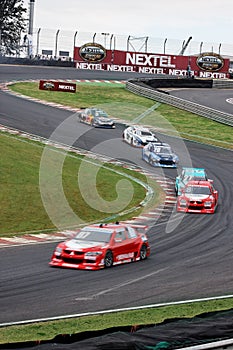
(13, 23)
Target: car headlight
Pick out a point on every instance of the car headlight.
(155, 158)
(207, 204)
(58, 251)
(183, 203)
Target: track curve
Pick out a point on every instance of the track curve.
(192, 261)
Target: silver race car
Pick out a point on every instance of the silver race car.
(138, 136)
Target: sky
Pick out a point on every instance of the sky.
(204, 20)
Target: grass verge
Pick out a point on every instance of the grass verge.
(148, 316)
(23, 181)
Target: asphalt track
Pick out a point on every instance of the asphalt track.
(191, 258)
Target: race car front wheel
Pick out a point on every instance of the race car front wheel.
(108, 260)
(143, 252)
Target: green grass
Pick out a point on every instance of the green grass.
(48, 330)
(20, 195)
(120, 103)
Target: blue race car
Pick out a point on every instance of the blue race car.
(189, 174)
(160, 154)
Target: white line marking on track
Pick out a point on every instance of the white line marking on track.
(106, 291)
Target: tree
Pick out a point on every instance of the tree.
(12, 24)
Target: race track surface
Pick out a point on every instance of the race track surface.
(191, 254)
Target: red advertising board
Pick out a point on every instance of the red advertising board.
(57, 86)
(93, 56)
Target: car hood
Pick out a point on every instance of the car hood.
(164, 156)
(104, 119)
(197, 197)
(146, 138)
(80, 244)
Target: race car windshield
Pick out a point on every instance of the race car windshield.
(95, 235)
(198, 190)
(101, 114)
(162, 150)
(146, 133)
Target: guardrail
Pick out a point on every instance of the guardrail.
(139, 87)
(223, 84)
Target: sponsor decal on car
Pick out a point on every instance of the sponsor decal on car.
(125, 256)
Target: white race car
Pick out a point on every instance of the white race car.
(138, 136)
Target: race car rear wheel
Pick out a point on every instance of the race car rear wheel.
(143, 252)
(108, 260)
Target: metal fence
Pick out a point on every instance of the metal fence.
(146, 91)
(58, 40)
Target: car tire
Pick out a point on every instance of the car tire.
(143, 252)
(215, 206)
(108, 259)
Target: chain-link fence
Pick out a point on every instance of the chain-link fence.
(48, 43)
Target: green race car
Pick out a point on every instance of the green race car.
(189, 174)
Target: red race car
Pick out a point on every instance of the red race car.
(102, 245)
(198, 197)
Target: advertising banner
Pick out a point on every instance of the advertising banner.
(94, 56)
(57, 86)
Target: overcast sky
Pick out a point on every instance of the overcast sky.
(204, 20)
